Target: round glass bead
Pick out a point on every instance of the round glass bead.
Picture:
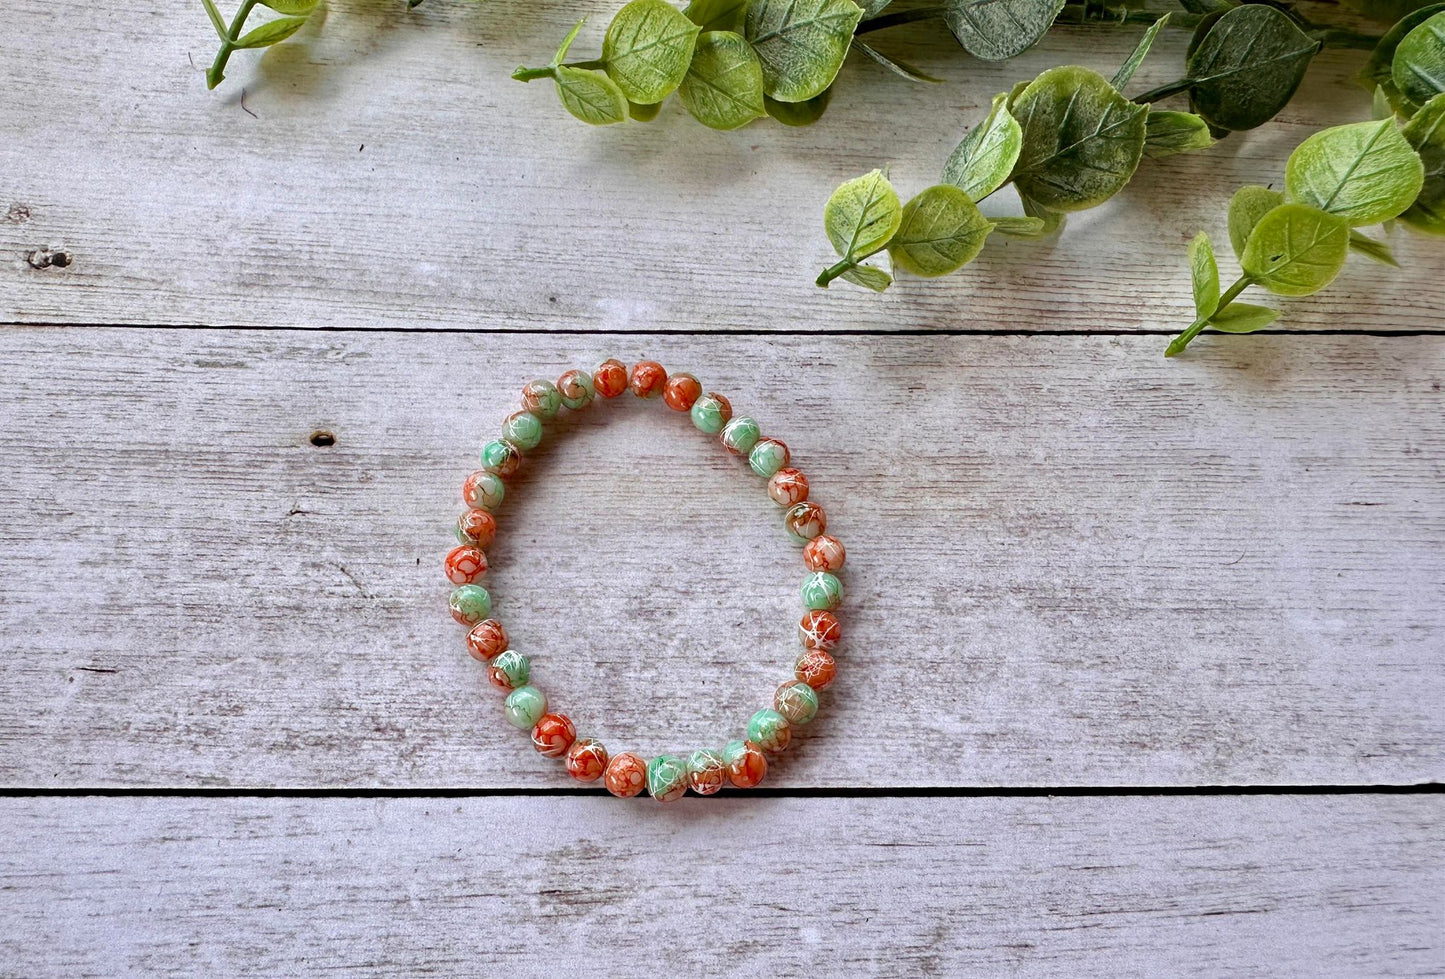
(788, 486)
(626, 775)
(610, 378)
(711, 412)
(483, 490)
(705, 771)
(746, 763)
(542, 399)
(821, 590)
(681, 391)
(666, 778)
(819, 630)
(509, 670)
(586, 760)
(500, 458)
(553, 734)
(487, 639)
(524, 707)
(804, 521)
(796, 701)
(769, 730)
(523, 429)
(465, 564)
(824, 553)
(575, 389)
(470, 604)
(816, 668)
(648, 379)
(740, 435)
(767, 457)
(477, 527)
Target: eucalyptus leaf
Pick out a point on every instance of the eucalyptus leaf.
(983, 161)
(723, 88)
(297, 8)
(801, 43)
(868, 276)
(1365, 172)
(1247, 66)
(939, 231)
(1376, 72)
(590, 96)
(715, 15)
(998, 29)
(648, 48)
(799, 113)
(1426, 132)
(1167, 132)
(1203, 276)
(1418, 68)
(1372, 249)
(1380, 107)
(644, 113)
(1246, 207)
(271, 32)
(896, 65)
(1081, 139)
(862, 215)
(1240, 317)
(1020, 227)
(1136, 57)
(1296, 249)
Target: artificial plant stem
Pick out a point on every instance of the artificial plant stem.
(217, 71)
(1177, 345)
(528, 74)
(833, 271)
(1163, 91)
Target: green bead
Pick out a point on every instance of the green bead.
(666, 777)
(523, 429)
(514, 666)
(822, 591)
(576, 389)
(484, 490)
(769, 730)
(767, 457)
(704, 760)
(710, 413)
(796, 701)
(542, 399)
(525, 707)
(470, 604)
(500, 458)
(740, 435)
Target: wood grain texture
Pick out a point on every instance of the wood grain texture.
(1237, 887)
(1071, 561)
(384, 172)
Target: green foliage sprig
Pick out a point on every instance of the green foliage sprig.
(294, 13)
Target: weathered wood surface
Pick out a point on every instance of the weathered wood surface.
(385, 172)
(1071, 561)
(1238, 887)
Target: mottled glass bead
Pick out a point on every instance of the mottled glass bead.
(575, 389)
(524, 707)
(768, 455)
(553, 734)
(681, 391)
(483, 490)
(796, 701)
(501, 458)
(470, 604)
(666, 778)
(626, 775)
(477, 527)
(816, 668)
(769, 730)
(487, 639)
(711, 412)
(824, 553)
(610, 378)
(465, 564)
(586, 760)
(542, 399)
(746, 763)
(821, 590)
(788, 486)
(804, 521)
(705, 771)
(819, 630)
(740, 435)
(523, 429)
(509, 670)
(648, 379)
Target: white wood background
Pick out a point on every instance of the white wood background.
(1073, 565)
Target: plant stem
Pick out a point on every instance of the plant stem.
(833, 271)
(1163, 91)
(1177, 345)
(217, 71)
(528, 74)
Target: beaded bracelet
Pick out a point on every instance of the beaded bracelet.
(742, 762)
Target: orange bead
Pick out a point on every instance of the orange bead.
(681, 391)
(648, 379)
(746, 764)
(465, 564)
(788, 486)
(816, 668)
(824, 553)
(819, 630)
(553, 734)
(610, 378)
(626, 775)
(487, 639)
(477, 527)
(586, 760)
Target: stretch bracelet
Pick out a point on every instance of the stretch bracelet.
(742, 762)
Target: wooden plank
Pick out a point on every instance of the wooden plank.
(1071, 561)
(1263, 886)
(385, 172)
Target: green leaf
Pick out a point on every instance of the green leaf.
(1365, 172)
(715, 15)
(1296, 249)
(1247, 66)
(1136, 57)
(215, 15)
(1246, 207)
(1376, 73)
(1426, 132)
(1081, 139)
(1053, 220)
(1372, 249)
(723, 88)
(799, 113)
(1167, 132)
(1380, 107)
(1240, 317)
(801, 43)
(862, 215)
(648, 48)
(297, 8)
(983, 161)
(1418, 68)
(868, 276)
(872, 8)
(566, 44)
(998, 29)
(1204, 276)
(940, 230)
(1020, 227)
(644, 113)
(590, 96)
(271, 32)
(896, 65)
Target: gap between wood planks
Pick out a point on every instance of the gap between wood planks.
(905, 792)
